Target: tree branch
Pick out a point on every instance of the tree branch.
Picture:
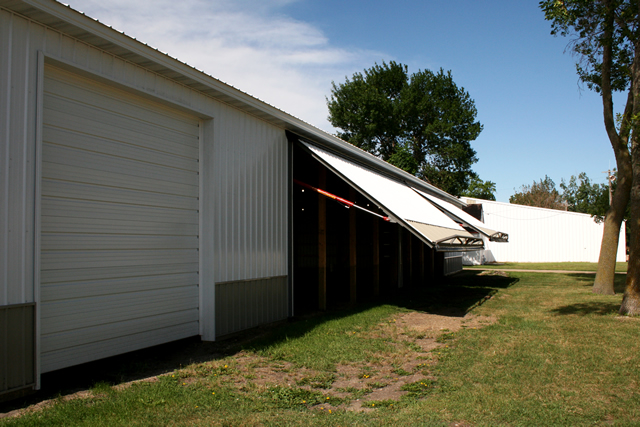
(607, 60)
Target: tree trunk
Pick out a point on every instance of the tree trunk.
(631, 300)
(603, 283)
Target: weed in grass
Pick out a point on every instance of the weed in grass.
(401, 372)
(388, 403)
(419, 389)
(367, 372)
(355, 393)
(376, 384)
(322, 380)
(413, 346)
(290, 397)
(411, 333)
(446, 336)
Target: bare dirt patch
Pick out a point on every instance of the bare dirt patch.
(416, 337)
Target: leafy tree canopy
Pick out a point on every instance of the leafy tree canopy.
(594, 26)
(542, 194)
(422, 123)
(584, 196)
(579, 194)
(480, 189)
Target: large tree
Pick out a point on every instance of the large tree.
(423, 123)
(542, 194)
(604, 37)
(584, 196)
(480, 189)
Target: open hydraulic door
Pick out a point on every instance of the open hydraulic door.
(401, 203)
(467, 220)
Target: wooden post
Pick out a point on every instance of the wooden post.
(410, 256)
(432, 264)
(376, 257)
(421, 263)
(395, 253)
(352, 251)
(322, 242)
(399, 258)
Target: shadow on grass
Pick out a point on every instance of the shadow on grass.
(586, 308)
(451, 296)
(455, 294)
(587, 280)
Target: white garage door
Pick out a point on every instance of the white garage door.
(119, 240)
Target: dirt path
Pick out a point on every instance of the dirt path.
(418, 339)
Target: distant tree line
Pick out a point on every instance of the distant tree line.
(579, 194)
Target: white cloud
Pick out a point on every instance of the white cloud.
(248, 44)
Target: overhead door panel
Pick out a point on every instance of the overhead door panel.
(400, 201)
(119, 221)
(463, 217)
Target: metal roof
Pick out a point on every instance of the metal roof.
(78, 25)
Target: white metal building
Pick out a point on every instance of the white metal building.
(143, 201)
(540, 235)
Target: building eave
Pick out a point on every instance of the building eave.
(80, 26)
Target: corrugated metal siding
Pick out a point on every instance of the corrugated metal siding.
(249, 200)
(19, 41)
(452, 263)
(120, 199)
(17, 347)
(541, 235)
(243, 219)
(245, 304)
(250, 193)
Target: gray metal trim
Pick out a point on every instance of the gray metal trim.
(245, 304)
(17, 353)
(37, 204)
(290, 259)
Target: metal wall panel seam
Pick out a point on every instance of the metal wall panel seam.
(201, 210)
(245, 210)
(37, 227)
(25, 169)
(16, 162)
(6, 125)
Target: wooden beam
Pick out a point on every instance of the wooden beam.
(400, 257)
(410, 256)
(422, 262)
(322, 241)
(352, 251)
(395, 254)
(432, 263)
(376, 257)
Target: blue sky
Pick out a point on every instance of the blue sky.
(537, 120)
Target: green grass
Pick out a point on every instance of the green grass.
(556, 355)
(568, 266)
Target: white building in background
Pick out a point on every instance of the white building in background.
(540, 235)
